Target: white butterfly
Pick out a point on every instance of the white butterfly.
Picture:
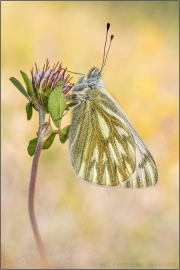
(105, 148)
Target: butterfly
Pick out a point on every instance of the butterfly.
(105, 148)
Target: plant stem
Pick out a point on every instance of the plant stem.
(32, 192)
(41, 117)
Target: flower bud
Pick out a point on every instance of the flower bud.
(44, 132)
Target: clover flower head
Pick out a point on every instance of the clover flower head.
(46, 80)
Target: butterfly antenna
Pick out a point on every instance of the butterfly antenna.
(111, 38)
(104, 54)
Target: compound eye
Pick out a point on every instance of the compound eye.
(92, 85)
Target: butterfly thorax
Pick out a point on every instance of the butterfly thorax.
(92, 81)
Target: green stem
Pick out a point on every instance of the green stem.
(32, 192)
(41, 117)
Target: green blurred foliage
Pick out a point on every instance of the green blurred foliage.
(84, 226)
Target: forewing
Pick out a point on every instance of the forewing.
(145, 173)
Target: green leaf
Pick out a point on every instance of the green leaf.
(19, 86)
(29, 110)
(32, 146)
(33, 143)
(49, 142)
(28, 83)
(63, 136)
(57, 105)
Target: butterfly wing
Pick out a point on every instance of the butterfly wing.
(105, 149)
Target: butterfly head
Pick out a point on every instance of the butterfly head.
(92, 81)
(94, 73)
(94, 78)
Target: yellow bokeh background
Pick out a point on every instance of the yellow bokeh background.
(84, 226)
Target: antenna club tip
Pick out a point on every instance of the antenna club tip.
(112, 36)
(108, 26)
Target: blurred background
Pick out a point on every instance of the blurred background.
(85, 226)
